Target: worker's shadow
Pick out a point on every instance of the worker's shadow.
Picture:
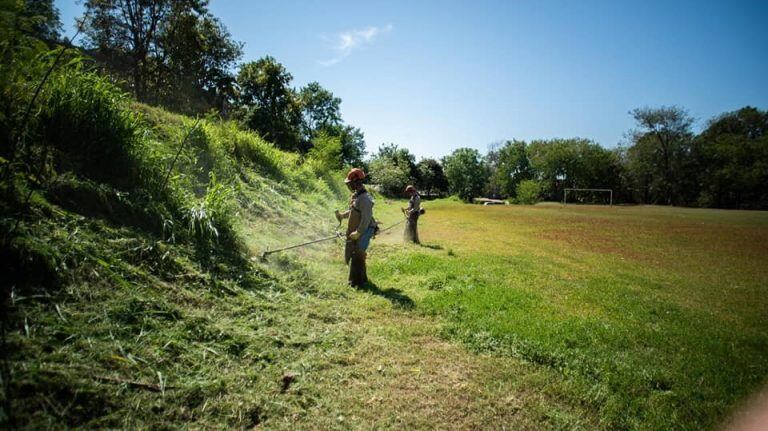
(432, 246)
(395, 296)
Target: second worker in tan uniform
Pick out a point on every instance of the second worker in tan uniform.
(412, 214)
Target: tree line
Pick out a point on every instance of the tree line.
(178, 55)
(664, 162)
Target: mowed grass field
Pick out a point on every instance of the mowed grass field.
(636, 317)
(515, 317)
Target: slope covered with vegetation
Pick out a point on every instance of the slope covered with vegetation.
(129, 264)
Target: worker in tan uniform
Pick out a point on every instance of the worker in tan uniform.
(361, 227)
(412, 214)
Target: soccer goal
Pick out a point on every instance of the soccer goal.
(589, 196)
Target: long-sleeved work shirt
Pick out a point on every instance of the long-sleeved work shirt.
(360, 212)
(414, 204)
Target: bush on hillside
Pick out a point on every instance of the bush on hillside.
(247, 147)
(326, 151)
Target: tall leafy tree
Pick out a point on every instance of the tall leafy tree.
(126, 31)
(431, 177)
(45, 19)
(392, 168)
(466, 173)
(320, 109)
(659, 157)
(172, 52)
(572, 163)
(321, 114)
(732, 157)
(270, 106)
(509, 164)
(352, 144)
(194, 70)
(399, 156)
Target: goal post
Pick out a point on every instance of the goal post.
(609, 191)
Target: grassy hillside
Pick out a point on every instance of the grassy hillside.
(133, 298)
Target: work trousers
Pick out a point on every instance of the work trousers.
(355, 257)
(411, 232)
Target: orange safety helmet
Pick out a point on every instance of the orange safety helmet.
(355, 174)
(410, 189)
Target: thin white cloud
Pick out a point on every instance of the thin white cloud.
(346, 42)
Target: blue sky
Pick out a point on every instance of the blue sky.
(434, 76)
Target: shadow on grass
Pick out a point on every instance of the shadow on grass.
(395, 296)
(432, 246)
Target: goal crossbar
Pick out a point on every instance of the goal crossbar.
(565, 194)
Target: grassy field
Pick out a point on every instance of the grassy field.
(149, 308)
(549, 317)
(642, 317)
(518, 317)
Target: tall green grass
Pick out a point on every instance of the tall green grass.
(114, 270)
(84, 117)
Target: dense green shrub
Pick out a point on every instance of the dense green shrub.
(326, 151)
(528, 192)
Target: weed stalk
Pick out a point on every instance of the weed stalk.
(178, 153)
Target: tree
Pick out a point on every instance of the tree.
(392, 168)
(509, 164)
(194, 70)
(400, 157)
(572, 163)
(430, 177)
(352, 144)
(659, 156)
(46, 22)
(172, 52)
(465, 172)
(390, 177)
(269, 104)
(321, 113)
(320, 109)
(732, 159)
(129, 27)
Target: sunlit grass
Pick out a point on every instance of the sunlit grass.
(142, 304)
(652, 317)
